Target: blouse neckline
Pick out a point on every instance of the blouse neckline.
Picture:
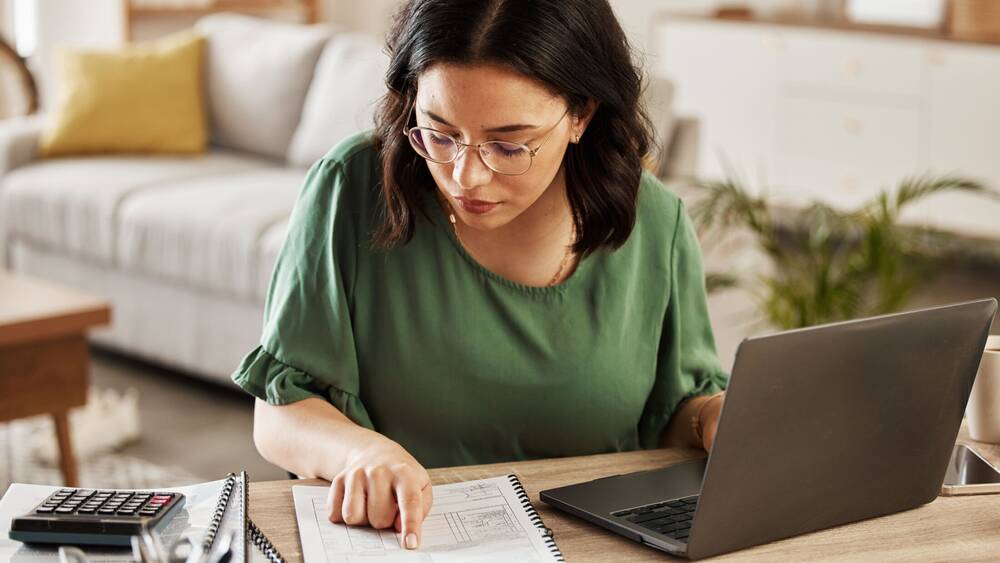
(442, 223)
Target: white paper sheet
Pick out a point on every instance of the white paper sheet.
(191, 521)
(480, 521)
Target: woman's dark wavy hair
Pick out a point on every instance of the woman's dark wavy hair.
(576, 48)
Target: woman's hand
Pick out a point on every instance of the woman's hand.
(382, 485)
(709, 415)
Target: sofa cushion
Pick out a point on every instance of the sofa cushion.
(142, 98)
(349, 80)
(204, 232)
(71, 204)
(257, 73)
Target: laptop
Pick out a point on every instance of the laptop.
(821, 426)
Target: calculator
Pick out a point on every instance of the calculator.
(95, 517)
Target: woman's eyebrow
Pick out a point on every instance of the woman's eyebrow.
(501, 129)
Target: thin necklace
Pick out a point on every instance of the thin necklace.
(567, 258)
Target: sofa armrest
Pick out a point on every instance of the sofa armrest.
(682, 153)
(19, 141)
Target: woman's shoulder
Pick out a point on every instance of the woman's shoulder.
(341, 190)
(358, 146)
(347, 175)
(658, 206)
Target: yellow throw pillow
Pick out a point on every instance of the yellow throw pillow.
(145, 98)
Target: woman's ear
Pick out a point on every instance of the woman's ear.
(582, 120)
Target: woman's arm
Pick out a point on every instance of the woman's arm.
(373, 480)
(310, 438)
(702, 412)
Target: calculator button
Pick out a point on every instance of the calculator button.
(44, 510)
(106, 511)
(146, 512)
(126, 512)
(64, 510)
(86, 510)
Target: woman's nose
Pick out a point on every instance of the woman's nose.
(469, 170)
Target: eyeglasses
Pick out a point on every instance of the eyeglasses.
(502, 157)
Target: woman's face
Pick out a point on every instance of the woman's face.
(478, 103)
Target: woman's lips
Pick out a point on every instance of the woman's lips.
(477, 206)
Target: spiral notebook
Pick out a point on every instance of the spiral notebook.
(231, 529)
(485, 520)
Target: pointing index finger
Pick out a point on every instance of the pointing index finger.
(410, 498)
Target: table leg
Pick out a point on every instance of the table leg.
(67, 463)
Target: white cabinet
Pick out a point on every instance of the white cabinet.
(839, 115)
(963, 110)
(842, 152)
(962, 134)
(841, 64)
(734, 95)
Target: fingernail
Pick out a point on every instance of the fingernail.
(411, 541)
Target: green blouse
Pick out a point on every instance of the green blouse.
(461, 366)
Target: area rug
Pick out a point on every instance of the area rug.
(108, 423)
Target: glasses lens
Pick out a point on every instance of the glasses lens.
(433, 145)
(506, 158)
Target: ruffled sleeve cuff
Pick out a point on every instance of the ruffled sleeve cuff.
(277, 383)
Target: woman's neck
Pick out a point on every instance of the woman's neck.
(533, 249)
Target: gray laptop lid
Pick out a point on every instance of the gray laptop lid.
(839, 423)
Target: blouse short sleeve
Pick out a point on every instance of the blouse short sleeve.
(687, 363)
(307, 348)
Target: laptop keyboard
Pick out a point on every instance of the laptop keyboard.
(671, 518)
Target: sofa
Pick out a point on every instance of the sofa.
(182, 246)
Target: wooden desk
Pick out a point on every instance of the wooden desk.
(948, 529)
(44, 356)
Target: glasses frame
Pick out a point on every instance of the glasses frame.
(479, 146)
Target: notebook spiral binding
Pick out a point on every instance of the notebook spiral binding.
(263, 544)
(547, 536)
(220, 512)
(256, 536)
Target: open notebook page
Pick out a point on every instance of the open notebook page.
(482, 520)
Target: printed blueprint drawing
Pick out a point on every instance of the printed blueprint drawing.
(481, 521)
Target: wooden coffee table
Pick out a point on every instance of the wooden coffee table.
(44, 356)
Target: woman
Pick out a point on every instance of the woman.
(489, 276)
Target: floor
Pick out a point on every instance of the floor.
(206, 428)
(201, 427)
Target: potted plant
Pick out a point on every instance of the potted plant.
(828, 264)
